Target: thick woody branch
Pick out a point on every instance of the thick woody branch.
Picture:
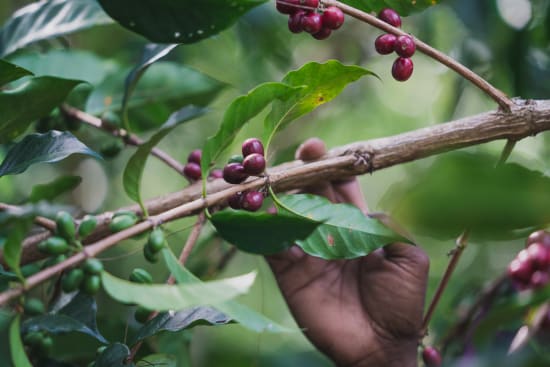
(527, 118)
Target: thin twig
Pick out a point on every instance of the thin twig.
(130, 139)
(461, 243)
(503, 101)
(41, 221)
(527, 119)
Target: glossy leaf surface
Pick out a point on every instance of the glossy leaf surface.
(10, 72)
(50, 147)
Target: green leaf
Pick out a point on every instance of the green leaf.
(163, 360)
(464, 190)
(164, 297)
(30, 101)
(322, 83)
(262, 233)
(52, 146)
(345, 233)
(79, 315)
(12, 247)
(67, 64)
(134, 169)
(10, 72)
(51, 190)
(114, 356)
(403, 7)
(183, 21)
(18, 356)
(186, 319)
(151, 54)
(237, 115)
(47, 19)
(240, 313)
(6, 319)
(163, 89)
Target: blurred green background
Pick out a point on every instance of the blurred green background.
(507, 42)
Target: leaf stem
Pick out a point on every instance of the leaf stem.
(129, 138)
(497, 95)
(461, 243)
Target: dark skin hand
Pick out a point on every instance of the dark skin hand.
(361, 312)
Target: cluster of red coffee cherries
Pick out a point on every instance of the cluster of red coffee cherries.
(530, 269)
(403, 46)
(192, 170)
(239, 168)
(308, 16)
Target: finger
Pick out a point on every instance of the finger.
(349, 191)
(313, 149)
(412, 256)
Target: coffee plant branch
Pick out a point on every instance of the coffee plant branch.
(128, 138)
(527, 118)
(505, 103)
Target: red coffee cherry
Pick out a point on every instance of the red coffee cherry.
(402, 69)
(520, 271)
(252, 145)
(539, 236)
(324, 33)
(254, 164)
(235, 201)
(233, 173)
(390, 16)
(405, 46)
(385, 44)
(312, 22)
(192, 171)
(539, 279)
(216, 173)
(195, 157)
(333, 17)
(432, 357)
(539, 255)
(287, 6)
(252, 201)
(295, 21)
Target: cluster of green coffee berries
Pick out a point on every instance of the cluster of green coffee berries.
(154, 244)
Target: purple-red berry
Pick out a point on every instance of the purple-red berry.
(295, 21)
(405, 46)
(333, 17)
(324, 33)
(252, 145)
(431, 357)
(539, 255)
(233, 173)
(195, 157)
(539, 279)
(520, 271)
(402, 69)
(539, 236)
(312, 22)
(192, 171)
(254, 164)
(235, 201)
(390, 16)
(216, 173)
(288, 6)
(313, 4)
(385, 44)
(252, 201)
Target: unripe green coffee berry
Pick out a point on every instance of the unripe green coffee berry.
(72, 280)
(150, 256)
(54, 261)
(33, 338)
(156, 240)
(34, 307)
(141, 276)
(142, 314)
(30, 269)
(87, 226)
(54, 246)
(65, 226)
(44, 349)
(237, 158)
(111, 149)
(92, 266)
(91, 284)
(121, 222)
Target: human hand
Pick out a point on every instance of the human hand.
(360, 312)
